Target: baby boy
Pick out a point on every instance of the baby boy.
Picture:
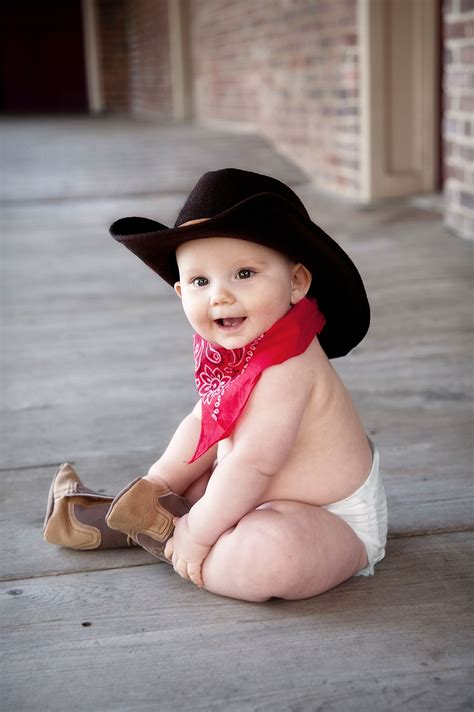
(282, 484)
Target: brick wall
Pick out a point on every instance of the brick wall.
(458, 122)
(112, 23)
(135, 55)
(288, 68)
(149, 58)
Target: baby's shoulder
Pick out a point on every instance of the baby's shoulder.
(306, 364)
(295, 375)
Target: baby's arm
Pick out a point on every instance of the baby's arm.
(263, 438)
(173, 465)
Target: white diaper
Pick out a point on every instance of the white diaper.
(365, 511)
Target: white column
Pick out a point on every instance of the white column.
(399, 97)
(92, 56)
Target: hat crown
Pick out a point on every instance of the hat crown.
(217, 191)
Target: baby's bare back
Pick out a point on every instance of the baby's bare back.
(331, 456)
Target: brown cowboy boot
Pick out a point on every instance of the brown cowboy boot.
(144, 511)
(75, 515)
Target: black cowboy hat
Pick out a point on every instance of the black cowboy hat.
(261, 209)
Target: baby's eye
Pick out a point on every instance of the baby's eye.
(199, 281)
(244, 273)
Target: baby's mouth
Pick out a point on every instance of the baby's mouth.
(230, 323)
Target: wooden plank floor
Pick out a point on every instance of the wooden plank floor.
(144, 639)
(88, 378)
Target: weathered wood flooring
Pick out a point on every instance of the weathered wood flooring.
(89, 378)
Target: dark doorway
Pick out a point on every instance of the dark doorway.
(42, 57)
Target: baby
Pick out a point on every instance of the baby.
(276, 482)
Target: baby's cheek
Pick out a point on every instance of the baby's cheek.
(191, 313)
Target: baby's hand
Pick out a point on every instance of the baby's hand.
(186, 554)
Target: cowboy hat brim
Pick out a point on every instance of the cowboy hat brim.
(273, 221)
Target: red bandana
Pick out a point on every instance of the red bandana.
(225, 377)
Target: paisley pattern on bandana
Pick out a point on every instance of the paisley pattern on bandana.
(211, 382)
(225, 377)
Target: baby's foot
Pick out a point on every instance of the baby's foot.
(75, 515)
(144, 510)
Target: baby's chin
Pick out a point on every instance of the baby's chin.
(229, 340)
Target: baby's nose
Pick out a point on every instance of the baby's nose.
(221, 295)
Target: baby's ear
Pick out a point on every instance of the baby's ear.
(177, 289)
(300, 282)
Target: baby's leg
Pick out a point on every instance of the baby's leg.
(284, 549)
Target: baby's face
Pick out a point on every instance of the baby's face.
(234, 290)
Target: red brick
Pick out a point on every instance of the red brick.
(466, 103)
(350, 39)
(455, 30)
(467, 55)
(455, 172)
(449, 102)
(450, 6)
(449, 149)
(458, 156)
(112, 21)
